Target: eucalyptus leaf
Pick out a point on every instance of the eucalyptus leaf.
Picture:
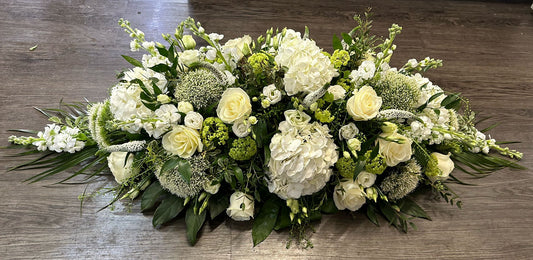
(170, 164)
(265, 221)
(194, 223)
(167, 210)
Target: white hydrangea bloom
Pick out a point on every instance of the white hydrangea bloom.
(126, 106)
(308, 68)
(301, 159)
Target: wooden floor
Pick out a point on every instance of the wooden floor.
(487, 48)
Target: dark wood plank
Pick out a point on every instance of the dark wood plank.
(488, 56)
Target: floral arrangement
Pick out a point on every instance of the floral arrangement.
(272, 129)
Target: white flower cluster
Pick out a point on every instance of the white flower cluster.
(427, 90)
(445, 119)
(59, 139)
(301, 157)
(308, 68)
(126, 105)
(365, 72)
(163, 119)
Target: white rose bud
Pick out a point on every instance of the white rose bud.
(364, 104)
(445, 165)
(395, 152)
(163, 99)
(354, 145)
(337, 91)
(234, 105)
(348, 131)
(241, 128)
(389, 127)
(120, 166)
(252, 120)
(185, 107)
(193, 120)
(241, 206)
(188, 42)
(348, 195)
(182, 141)
(366, 179)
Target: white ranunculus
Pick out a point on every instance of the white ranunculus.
(182, 141)
(348, 131)
(348, 195)
(241, 128)
(337, 91)
(395, 152)
(272, 94)
(193, 120)
(241, 206)
(185, 107)
(297, 118)
(120, 166)
(366, 179)
(234, 105)
(445, 165)
(364, 104)
(189, 57)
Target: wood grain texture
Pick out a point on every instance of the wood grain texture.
(488, 56)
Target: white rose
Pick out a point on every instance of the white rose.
(241, 128)
(348, 195)
(445, 165)
(211, 188)
(185, 107)
(189, 57)
(234, 105)
(120, 166)
(241, 206)
(193, 120)
(272, 94)
(395, 152)
(364, 104)
(354, 145)
(348, 131)
(337, 91)
(366, 179)
(297, 118)
(182, 141)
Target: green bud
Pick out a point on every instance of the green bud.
(389, 127)
(188, 42)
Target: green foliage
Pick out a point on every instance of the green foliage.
(194, 223)
(151, 196)
(167, 210)
(265, 220)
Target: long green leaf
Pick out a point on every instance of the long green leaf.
(132, 61)
(217, 205)
(410, 207)
(194, 223)
(167, 210)
(151, 196)
(265, 221)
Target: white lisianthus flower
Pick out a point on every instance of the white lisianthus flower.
(445, 165)
(185, 107)
(348, 131)
(272, 94)
(301, 159)
(395, 151)
(241, 206)
(234, 105)
(121, 168)
(348, 195)
(241, 128)
(211, 188)
(189, 57)
(366, 179)
(188, 42)
(308, 69)
(337, 91)
(238, 47)
(364, 104)
(182, 141)
(354, 145)
(193, 120)
(297, 118)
